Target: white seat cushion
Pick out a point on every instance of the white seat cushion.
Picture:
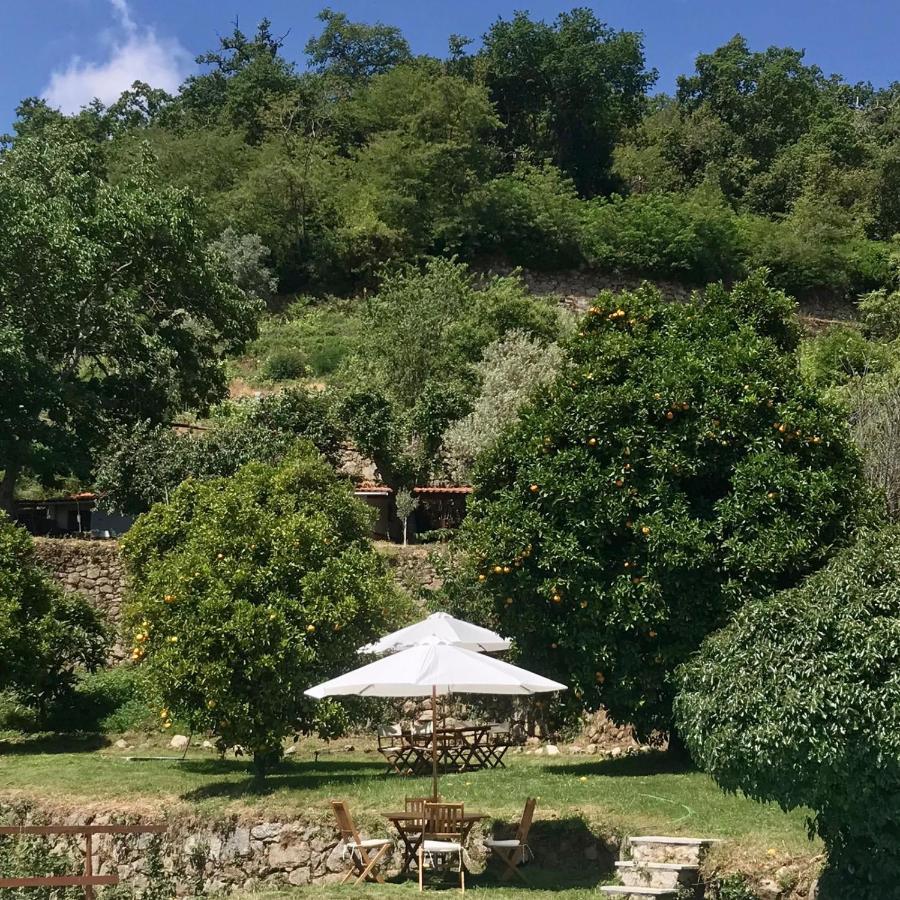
(442, 847)
(511, 844)
(390, 749)
(371, 842)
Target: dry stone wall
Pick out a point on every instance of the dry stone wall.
(199, 856)
(92, 568)
(577, 289)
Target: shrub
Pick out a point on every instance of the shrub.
(694, 238)
(46, 636)
(879, 313)
(247, 590)
(841, 354)
(797, 701)
(286, 364)
(532, 217)
(110, 701)
(510, 371)
(676, 468)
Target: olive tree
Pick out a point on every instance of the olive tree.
(797, 701)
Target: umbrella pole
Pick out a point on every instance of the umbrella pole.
(434, 720)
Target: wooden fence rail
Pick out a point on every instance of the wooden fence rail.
(88, 880)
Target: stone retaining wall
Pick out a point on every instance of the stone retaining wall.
(577, 288)
(198, 856)
(92, 568)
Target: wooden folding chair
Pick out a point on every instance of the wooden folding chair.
(516, 850)
(443, 830)
(362, 865)
(394, 747)
(498, 744)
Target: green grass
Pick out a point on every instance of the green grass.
(641, 794)
(323, 334)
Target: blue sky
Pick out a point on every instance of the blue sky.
(70, 50)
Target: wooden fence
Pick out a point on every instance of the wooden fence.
(88, 880)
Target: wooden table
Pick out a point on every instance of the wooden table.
(409, 827)
(460, 748)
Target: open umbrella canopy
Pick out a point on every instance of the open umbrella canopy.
(445, 627)
(435, 667)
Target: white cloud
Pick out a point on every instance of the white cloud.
(135, 54)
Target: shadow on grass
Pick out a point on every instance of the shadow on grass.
(652, 762)
(551, 841)
(47, 742)
(287, 776)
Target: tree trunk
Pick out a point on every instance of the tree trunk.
(8, 489)
(404, 530)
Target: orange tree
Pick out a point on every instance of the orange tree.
(247, 590)
(677, 467)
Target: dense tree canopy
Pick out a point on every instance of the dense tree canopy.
(677, 468)
(111, 308)
(797, 701)
(250, 589)
(44, 633)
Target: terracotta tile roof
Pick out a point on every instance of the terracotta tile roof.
(375, 486)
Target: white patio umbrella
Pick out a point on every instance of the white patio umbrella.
(445, 627)
(435, 668)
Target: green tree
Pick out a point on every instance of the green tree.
(512, 369)
(246, 256)
(111, 308)
(412, 373)
(244, 75)
(796, 701)
(246, 591)
(45, 635)
(677, 468)
(567, 90)
(356, 51)
(144, 464)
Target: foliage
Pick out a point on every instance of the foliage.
(145, 464)
(356, 51)
(247, 590)
(677, 468)
(532, 216)
(287, 364)
(565, 90)
(108, 701)
(796, 701)
(841, 354)
(511, 370)
(45, 635)
(875, 407)
(245, 255)
(412, 373)
(693, 238)
(81, 264)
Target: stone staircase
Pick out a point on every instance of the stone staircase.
(662, 867)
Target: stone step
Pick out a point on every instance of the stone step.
(659, 875)
(637, 893)
(679, 850)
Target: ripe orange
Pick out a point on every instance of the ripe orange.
(534, 489)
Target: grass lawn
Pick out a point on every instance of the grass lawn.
(641, 794)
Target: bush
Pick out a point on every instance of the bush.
(797, 701)
(694, 238)
(246, 591)
(879, 313)
(286, 364)
(46, 636)
(111, 701)
(841, 354)
(676, 468)
(532, 217)
(511, 370)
